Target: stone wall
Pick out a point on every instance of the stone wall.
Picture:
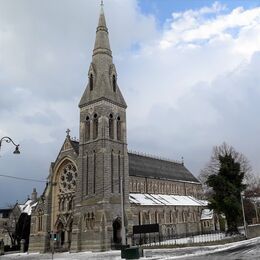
(159, 186)
(253, 231)
(181, 219)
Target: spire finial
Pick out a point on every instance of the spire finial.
(102, 7)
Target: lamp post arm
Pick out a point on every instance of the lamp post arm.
(8, 140)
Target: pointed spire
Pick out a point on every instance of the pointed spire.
(102, 41)
(102, 72)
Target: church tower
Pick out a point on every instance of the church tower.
(103, 157)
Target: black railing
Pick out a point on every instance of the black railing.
(154, 239)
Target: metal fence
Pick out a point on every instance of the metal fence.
(156, 239)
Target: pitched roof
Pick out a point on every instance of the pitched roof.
(27, 206)
(166, 200)
(75, 145)
(145, 166)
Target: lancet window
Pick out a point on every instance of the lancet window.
(118, 128)
(111, 126)
(95, 127)
(87, 129)
(114, 83)
(91, 81)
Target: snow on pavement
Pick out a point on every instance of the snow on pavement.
(151, 254)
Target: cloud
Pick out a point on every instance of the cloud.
(190, 85)
(200, 89)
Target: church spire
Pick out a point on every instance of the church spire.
(102, 74)
(102, 41)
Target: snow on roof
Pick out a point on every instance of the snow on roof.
(27, 206)
(162, 199)
(206, 214)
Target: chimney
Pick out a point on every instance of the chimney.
(34, 195)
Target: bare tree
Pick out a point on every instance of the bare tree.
(9, 226)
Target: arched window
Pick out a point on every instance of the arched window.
(95, 127)
(111, 126)
(118, 126)
(70, 205)
(114, 83)
(156, 217)
(91, 81)
(140, 218)
(40, 215)
(87, 129)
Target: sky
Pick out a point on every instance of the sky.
(189, 72)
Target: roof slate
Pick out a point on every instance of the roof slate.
(145, 166)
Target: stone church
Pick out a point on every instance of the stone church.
(80, 208)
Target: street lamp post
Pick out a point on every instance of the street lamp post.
(255, 205)
(243, 211)
(9, 140)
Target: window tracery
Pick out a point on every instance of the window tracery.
(90, 220)
(68, 178)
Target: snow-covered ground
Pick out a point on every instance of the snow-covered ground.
(151, 254)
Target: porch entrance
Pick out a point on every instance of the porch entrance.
(117, 226)
(63, 237)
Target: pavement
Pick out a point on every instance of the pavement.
(242, 250)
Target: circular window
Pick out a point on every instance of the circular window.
(68, 178)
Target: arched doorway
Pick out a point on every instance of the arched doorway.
(61, 234)
(117, 231)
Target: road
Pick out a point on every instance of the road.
(246, 252)
(242, 250)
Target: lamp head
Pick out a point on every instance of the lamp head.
(16, 151)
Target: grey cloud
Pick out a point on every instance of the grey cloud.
(48, 117)
(225, 110)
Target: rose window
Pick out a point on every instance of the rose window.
(68, 178)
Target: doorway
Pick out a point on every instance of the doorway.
(117, 226)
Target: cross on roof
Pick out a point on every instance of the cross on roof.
(102, 3)
(68, 132)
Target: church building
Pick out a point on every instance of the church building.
(80, 208)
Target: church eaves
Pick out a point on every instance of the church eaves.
(102, 84)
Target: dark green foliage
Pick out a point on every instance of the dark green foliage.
(23, 229)
(227, 186)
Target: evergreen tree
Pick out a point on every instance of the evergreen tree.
(227, 187)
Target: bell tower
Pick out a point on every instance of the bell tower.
(103, 157)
